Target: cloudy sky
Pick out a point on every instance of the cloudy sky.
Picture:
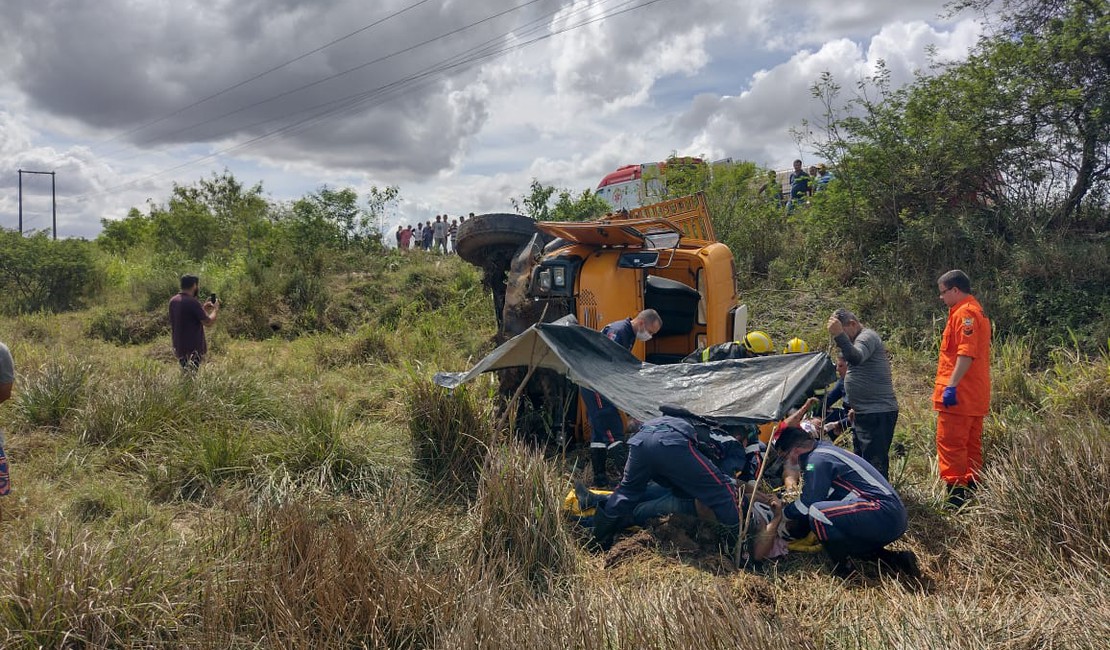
(459, 102)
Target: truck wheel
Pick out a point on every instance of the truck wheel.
(490, 236)
(489, 241)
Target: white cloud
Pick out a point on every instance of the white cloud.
(671, 76)
(756, 123)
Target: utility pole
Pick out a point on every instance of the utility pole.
(53, 201)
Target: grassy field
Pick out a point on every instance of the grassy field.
(318, 492)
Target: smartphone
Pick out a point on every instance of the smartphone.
(212, 298)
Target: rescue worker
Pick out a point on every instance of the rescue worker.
(850, 507)
(669, 451)
(838, 419)
(962, 389)
(755, 344)
(796, 346)
(606, 428)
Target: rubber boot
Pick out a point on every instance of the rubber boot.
(597, 460)
(618, 455)
(605, 529)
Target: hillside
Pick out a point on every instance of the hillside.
(287, 496)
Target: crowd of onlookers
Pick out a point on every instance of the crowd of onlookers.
(438, 235)
(801, 184)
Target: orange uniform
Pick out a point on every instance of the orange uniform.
(960, 427)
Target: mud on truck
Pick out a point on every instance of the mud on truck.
(663, 256)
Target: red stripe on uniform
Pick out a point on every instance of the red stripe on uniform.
(728, 486)
(858, 506)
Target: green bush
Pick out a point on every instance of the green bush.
(37, 273)
(127, 328)
(213, 454)
(519, 529)
(71, 587)
(319, 448)
(146, 406)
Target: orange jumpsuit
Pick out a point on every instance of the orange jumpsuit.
(960, 427)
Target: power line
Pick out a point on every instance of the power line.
(340, 74)
(355, 101)
(268, 71)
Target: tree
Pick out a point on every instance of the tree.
(39, 273)
(567, 207)
(535, 203)
(121, 235)
(1049, 64)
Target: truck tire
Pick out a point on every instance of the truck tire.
(489, 236)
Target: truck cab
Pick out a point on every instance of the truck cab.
(663, 257)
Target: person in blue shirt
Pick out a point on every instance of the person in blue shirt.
(824, 177)
(730, 456)
(799, 185)
(850, 507)
(838, 419)
(606, 427)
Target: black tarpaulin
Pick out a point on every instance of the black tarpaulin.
(733, 391)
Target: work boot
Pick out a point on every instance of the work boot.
(958, 496)
(842, 565)
(597, 460)
(618, 455)
(586, 498)
(903, 561)
(605, 529)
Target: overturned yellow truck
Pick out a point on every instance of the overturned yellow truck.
(663, 256)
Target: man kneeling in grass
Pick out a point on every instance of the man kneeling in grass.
(851, 508)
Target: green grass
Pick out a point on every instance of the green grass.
(316, 490)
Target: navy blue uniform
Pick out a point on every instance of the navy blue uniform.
(850, 506)
(606, 428)
(667, 450)
(837, 414)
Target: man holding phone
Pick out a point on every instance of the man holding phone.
(188, 318)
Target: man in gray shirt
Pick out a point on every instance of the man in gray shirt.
(869, 386)
(7, 378)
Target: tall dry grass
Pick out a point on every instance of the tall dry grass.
(450, 432)
(519, 532)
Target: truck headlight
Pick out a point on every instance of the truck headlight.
(545, 281)
(560, 277)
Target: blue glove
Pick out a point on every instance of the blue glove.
(948, 397)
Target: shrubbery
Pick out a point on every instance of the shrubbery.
(37, 273)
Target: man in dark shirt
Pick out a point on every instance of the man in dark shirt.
(188, 318)
(799, 185)
(606, 427)
(7, 378)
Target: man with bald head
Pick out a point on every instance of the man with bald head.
(606, 427)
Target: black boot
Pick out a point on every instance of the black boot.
(841, 564)
(618, 455)
(903, 561)
(597, 460)
(958, 496)
(605, 529)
